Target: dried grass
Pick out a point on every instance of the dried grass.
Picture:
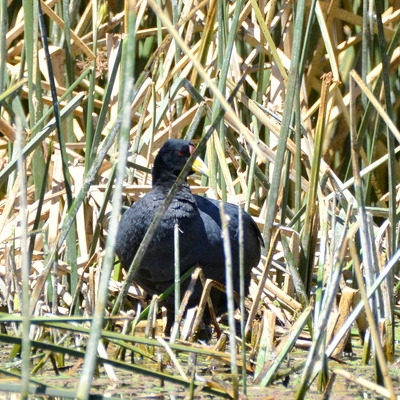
(300, 206)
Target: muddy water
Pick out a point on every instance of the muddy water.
(136, 386)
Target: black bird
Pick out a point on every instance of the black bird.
(200, 231)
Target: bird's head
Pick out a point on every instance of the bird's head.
(171, 159)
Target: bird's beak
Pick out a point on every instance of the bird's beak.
(200, 166)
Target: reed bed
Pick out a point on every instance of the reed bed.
(295, 108)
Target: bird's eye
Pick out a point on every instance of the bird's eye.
(181, 153)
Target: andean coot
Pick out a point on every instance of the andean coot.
(200, 231)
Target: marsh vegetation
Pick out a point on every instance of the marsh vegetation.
(295, 108)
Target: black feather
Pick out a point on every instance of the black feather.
(200, 232)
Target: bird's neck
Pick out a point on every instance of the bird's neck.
(166, 181)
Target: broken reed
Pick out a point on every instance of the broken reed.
(293, 173)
